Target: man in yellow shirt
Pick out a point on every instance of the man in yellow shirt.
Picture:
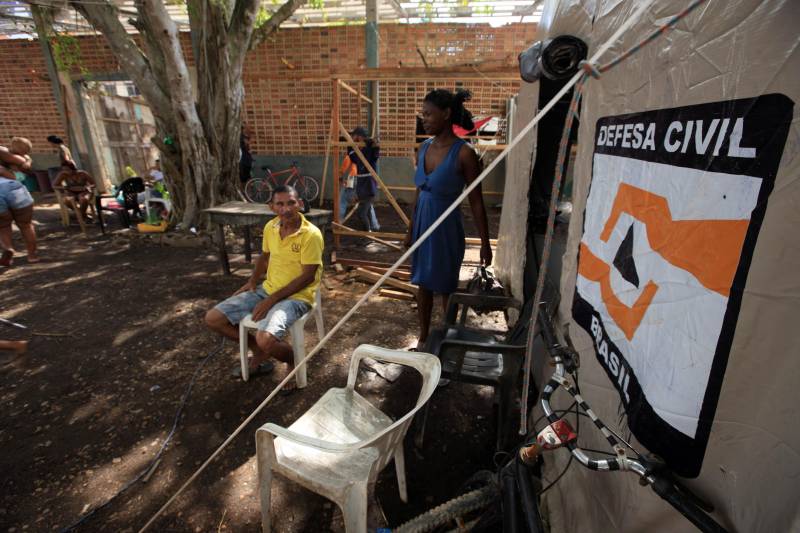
(291, 258)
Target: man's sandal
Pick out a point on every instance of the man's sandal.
(262, 369)
(289, 388)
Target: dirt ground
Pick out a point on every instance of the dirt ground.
(116, 334)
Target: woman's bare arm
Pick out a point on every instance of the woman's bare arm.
(10, 159)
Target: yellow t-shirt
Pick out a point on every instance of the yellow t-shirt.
(286, 257)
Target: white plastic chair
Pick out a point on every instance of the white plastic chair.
(340, 445)
(298, 339)
(149, 198)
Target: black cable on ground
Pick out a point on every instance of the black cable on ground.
(154, 462)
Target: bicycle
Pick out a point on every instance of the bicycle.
(517, 484)
(259, 190)
(651, 470)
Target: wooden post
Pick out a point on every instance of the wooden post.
(371, 52)
(325, 164)
(334, 138)
(374, 174)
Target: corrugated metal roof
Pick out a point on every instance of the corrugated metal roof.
(16, 20)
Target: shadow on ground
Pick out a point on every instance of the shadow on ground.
(116, 334)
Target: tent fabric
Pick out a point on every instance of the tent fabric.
(509, 261)
(736, 59)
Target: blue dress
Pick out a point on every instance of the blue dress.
(435, 265)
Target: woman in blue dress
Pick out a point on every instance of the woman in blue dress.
(446, 164)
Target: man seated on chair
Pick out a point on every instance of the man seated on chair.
(77, 185)
(291, 258)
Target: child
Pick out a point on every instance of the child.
(16, 203)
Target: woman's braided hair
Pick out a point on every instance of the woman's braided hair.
(444, 99)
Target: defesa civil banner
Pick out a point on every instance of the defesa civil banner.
(671, 222)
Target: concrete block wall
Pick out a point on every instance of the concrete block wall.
(287, 96)
(393, 170)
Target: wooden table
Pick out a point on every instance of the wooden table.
(245, 214)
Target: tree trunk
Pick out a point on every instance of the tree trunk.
(201, 163)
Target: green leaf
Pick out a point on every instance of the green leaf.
(262, 17)
(67, 53)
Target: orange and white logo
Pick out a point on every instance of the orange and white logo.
(657, 260)
(675, 204)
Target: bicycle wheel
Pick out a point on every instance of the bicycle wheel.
(307, 187)
(258, 191)
(450, 510)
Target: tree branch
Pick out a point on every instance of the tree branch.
(166, 36)
(240, 30)
(105, 18)
(154, 55)
(272, 25)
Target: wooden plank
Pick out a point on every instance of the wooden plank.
(400, 236)
(374, 174)
(411, 144)
(436, 73)
(368, 235)
(396, 295)
(380, 234)
(361, 262)
(373, 277)
(402, 275)
(412, 189)
(351, 89)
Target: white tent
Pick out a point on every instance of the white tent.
(680, 285)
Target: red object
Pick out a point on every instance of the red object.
(458, 130)
(556, 435)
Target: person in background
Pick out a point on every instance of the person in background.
(78, 187)
(130, 172)
(366, 188)
(154, 175)
(64, 155)
(16, 203)
(446, 164)
(347, 191)
(155, 180)
(245, 157)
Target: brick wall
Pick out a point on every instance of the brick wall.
(27, 107)
(288, 114)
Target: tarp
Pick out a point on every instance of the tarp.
(680, 282)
